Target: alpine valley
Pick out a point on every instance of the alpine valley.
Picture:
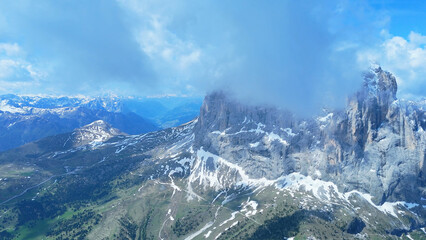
(235, 172)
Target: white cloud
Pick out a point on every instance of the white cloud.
(11, 68)
(7, 67)
(254, 49)
(176, 56)
(17, 87)
(10, 49)
(405, 58)
(417, 38)
(164, 46)
(16, 72)
(189, 59)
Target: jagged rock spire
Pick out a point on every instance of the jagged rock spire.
(380, 84)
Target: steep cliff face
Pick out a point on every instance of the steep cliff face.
(376, 145)
(371, 106)
(255, 138)
(382, 140)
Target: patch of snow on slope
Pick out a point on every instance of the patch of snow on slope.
(386, 208)
(199, 231)
(249, 204)
(207, 234)
(5, 107)
(259, 129)
(328, 191)
(325, 118)
(233, 214)
(270, 137)
(172, 183)
(215, 172)
(217, 175)
(320, 189)
(289, 132)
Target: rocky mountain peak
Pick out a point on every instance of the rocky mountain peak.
(97, 131)
(372, 107)
(220, 112)
(98, 125)
(380, 84)
(372, 135)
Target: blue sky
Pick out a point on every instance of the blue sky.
(405, 16)
(299, 54)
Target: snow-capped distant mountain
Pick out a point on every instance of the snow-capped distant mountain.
(27, 118)
(235, 172)
(96, 132)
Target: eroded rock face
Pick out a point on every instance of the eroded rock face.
(376, 145)
(383, 140)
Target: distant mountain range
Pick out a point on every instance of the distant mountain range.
(27, 118)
